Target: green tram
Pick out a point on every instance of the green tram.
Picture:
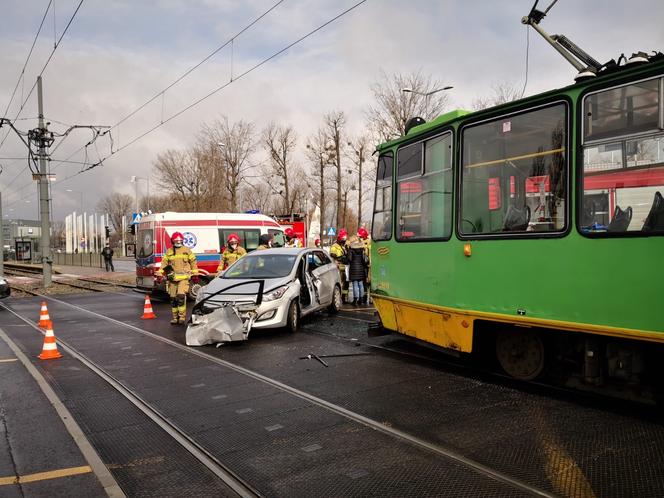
(533, 230)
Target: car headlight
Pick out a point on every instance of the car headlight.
(275, 294)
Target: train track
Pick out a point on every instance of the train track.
(199, 451)
(83, 283)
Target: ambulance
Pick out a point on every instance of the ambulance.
(204, 233)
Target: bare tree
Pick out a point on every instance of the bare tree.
(503, 92)
(320, 156)
(179, 175)
(335, 123)
(360, 150)
(238, 146)
(116, 205)
(393, 107)
(279, 143)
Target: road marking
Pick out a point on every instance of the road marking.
(8, 360)
(366, 421)
(42, 476)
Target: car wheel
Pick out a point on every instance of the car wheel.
(293, 317)
(336, 300)
(194, 289)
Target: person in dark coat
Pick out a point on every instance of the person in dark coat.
(107, 253)
(358, 264)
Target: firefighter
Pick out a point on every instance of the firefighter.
(364, 238)
(317, 243)
(179, 267)
(265, 241)
(339, 252)
(231, 253)
(291, 238)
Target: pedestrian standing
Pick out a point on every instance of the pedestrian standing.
(358, 264)
(107, 253)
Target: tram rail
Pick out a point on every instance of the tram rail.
(381, 427)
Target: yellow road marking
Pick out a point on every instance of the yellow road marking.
(42, 476)
(8, 360)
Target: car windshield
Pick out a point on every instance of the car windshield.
(264, 265)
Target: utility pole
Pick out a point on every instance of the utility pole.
(44, 210)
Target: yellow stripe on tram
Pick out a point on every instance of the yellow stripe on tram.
(42, 476)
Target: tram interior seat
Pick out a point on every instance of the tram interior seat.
(516, 219)
(655, 219)
(621, 219)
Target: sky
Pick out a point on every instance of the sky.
(116, 55)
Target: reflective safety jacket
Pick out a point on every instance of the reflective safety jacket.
(261, 247)
(339, 254)
(183, 262)
(229, 256)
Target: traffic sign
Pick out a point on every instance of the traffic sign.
(135, 218)
(331, 231)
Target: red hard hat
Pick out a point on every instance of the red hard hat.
(233, 238)
(362, 232)
(289, 232)
(177, 235)
(316, 242)
(342, 234)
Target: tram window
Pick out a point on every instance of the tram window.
(514, 174)
(626, 167)
(409, 161)
(622, 111)
(629, 174)
(424, 200)
(381, 228)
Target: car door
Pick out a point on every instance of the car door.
(325, 272)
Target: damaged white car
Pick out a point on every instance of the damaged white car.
(268, 288)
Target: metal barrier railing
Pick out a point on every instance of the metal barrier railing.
(80, 259)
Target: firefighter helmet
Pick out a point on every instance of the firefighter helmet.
(177, 236)
(362, 233)
(233, 238)
(290, 233)
(343, 235)
(317, 242)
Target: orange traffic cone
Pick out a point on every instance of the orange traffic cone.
(148, 314)
(44, 319)
(50, 349)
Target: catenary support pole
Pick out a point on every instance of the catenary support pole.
(43, 192)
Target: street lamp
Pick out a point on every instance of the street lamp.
(427, 94)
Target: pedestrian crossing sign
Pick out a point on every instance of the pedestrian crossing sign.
(331, 232)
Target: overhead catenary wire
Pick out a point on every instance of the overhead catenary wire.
(162, 92)
(213, 92)
(55, 47)
(225, 85)
(27, 59)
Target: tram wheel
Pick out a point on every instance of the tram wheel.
(520, 353)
